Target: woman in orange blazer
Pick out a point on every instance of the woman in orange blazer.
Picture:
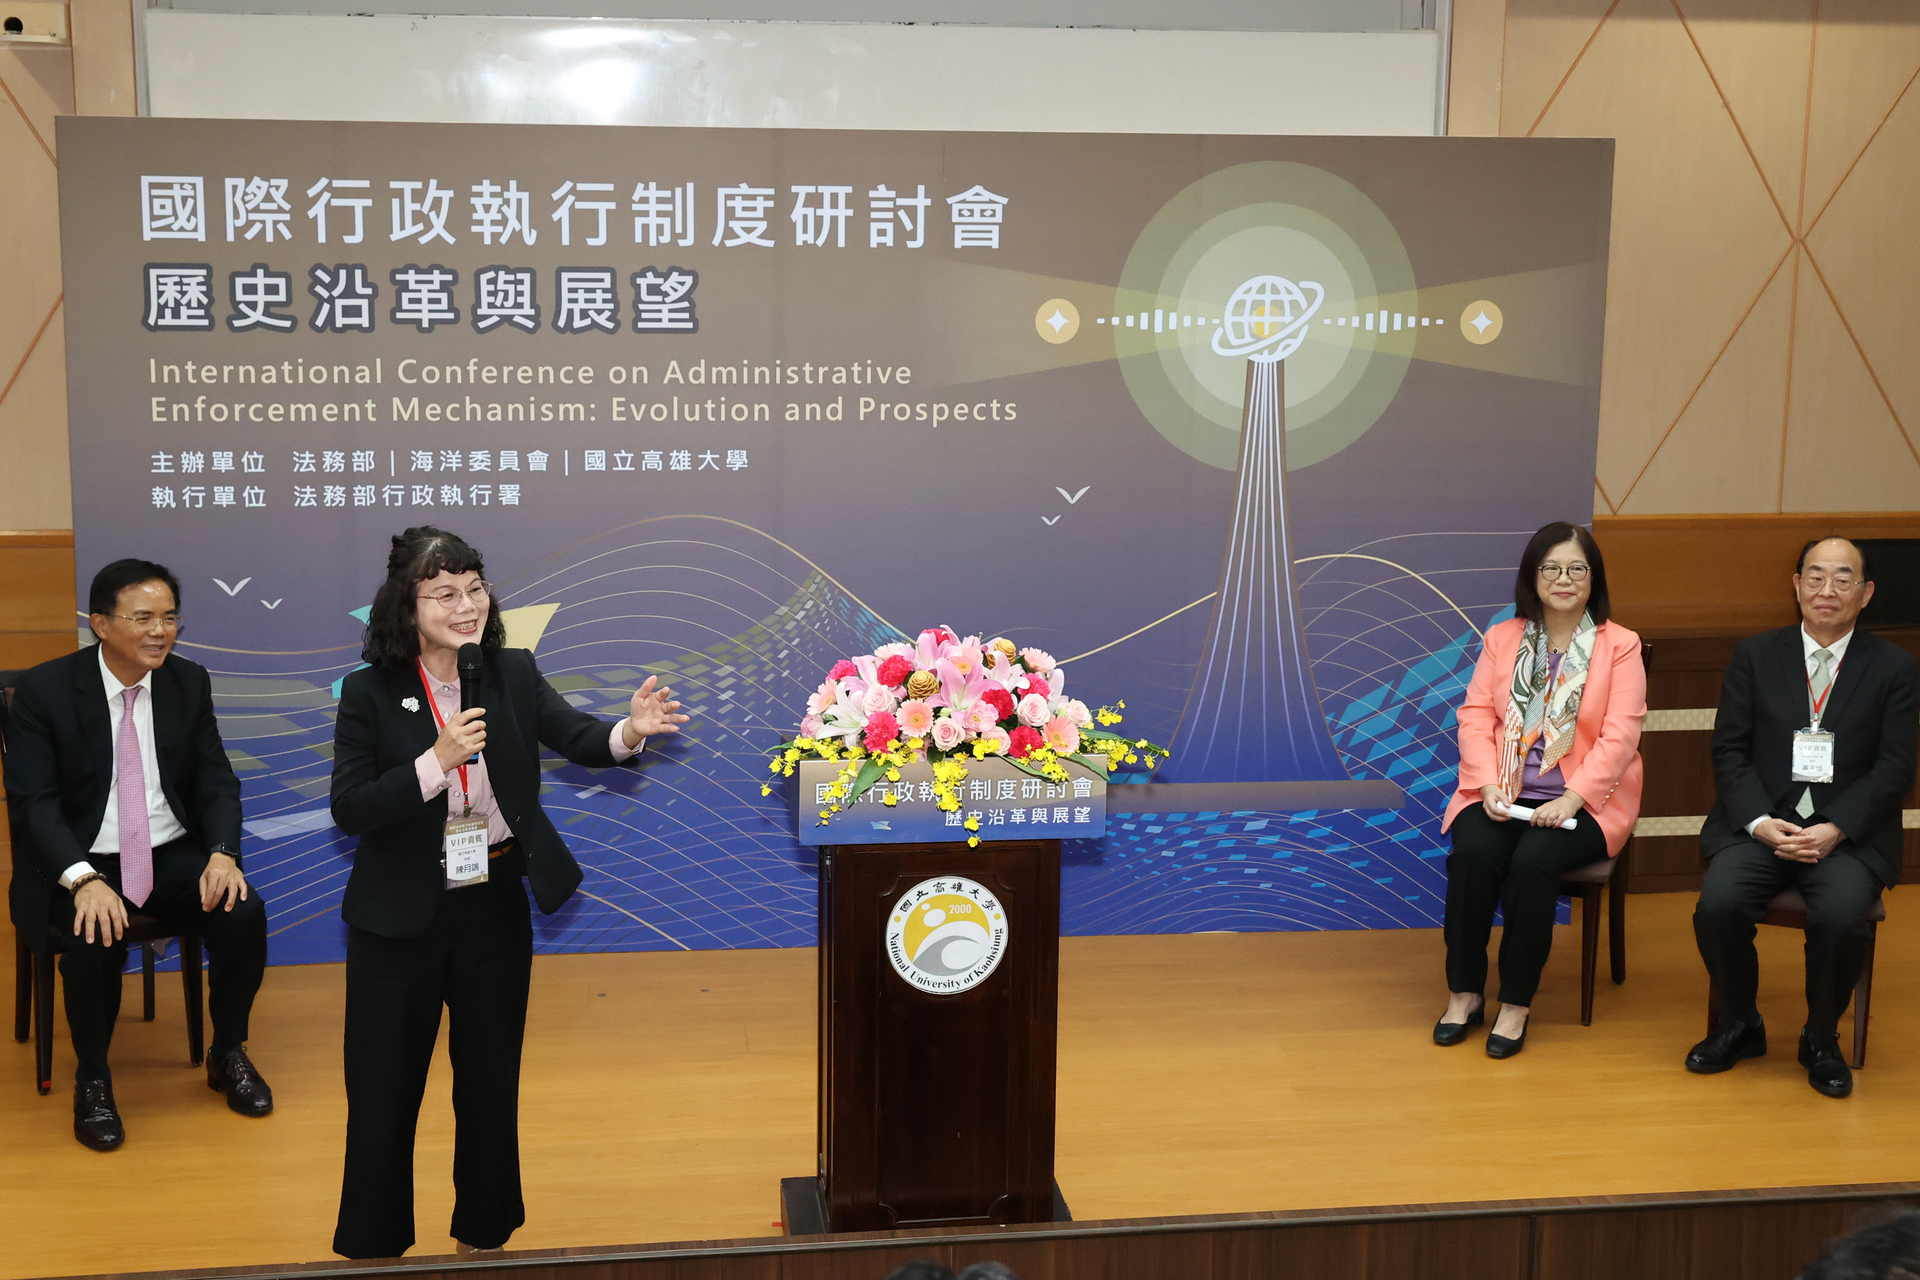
(1551, 722)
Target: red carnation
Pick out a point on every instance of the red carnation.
(895, 670)
(1022, 741)
(1036, 685)
(1001, 701)
(883, 728)
(842, 669)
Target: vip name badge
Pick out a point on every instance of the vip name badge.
(1812, 756)
(946, 935)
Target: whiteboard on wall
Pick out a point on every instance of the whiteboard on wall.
(788, 75)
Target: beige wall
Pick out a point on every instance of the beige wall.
(1764, 290)
(94, 77)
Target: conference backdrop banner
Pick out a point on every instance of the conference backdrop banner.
(1246, 431)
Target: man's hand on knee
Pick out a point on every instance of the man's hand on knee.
(222, 881)
(98, 909)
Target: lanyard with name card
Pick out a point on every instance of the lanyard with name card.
(463, 845)
(1813, 746)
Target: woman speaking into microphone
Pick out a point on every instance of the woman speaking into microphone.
(445, 804)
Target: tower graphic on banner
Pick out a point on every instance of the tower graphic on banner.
(1254, 713)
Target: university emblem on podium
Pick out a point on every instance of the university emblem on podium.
(946, 935)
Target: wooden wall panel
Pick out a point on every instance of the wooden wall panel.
(1476, 49)
(37, 619)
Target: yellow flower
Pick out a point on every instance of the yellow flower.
(793, 753)
(893, 775)
(973, 842)
(774, 767)
(823, 815)
(1132, 759)
(1122, 704)
(972, 824)
(890, 799)
(765, 790)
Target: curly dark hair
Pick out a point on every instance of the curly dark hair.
(393, 628)
(1884, 1245)
(1526, 584)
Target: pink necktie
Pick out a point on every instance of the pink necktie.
(136, 837)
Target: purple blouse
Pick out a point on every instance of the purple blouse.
(1534, 787)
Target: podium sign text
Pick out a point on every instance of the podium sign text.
(1010, 803)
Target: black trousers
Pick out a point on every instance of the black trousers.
(1516, 867)
(1741, 880)
(236, 955)
(475, 959)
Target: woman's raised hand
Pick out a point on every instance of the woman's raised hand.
(652, 711)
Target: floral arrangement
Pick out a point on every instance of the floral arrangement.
(943, 700)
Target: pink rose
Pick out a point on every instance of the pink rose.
(841, 670)
(979, 716)
(916, 718)
(1077, 712)
(877, 700)
(881, 729)
(996, 740)
(1038, 660)
(810, 726)
(1063, 735)
(1034, 710)
(948, 733)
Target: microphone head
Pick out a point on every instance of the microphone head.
(468, 659)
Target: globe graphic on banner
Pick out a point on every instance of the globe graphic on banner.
(1266, 318)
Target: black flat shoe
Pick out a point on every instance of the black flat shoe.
(1503, 1047)
(96, 1121)
(1731, 1044)
(1452, 1033)
(1827, 1071)
(237, 1077)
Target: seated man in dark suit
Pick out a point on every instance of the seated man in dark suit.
(1813, 749)
(120, 796)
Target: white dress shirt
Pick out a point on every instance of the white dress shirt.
(1807, 647)
(162, 825)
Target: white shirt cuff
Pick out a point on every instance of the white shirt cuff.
(74, 872)
(433, 779)
(621, 751)
(1756, 822)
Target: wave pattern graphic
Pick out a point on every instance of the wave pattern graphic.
(682, 851)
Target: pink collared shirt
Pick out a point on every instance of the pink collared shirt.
(479, 797)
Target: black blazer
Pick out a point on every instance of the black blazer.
(60, 767)
(1874, 715)
(397, 878)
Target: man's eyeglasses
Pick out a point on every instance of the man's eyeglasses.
(145, 621)
(1550, 572)
(1842, 583)
(449, 597)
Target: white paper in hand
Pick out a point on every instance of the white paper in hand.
(1525, 814)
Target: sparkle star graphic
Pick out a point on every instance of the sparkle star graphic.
(1057, 320)
(1480, 322)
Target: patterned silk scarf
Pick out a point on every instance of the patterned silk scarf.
(1536, 711)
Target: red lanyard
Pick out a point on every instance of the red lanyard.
(1820, 704)
(466, 796)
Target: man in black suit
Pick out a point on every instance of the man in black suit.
(1813, 749)
(120, 796)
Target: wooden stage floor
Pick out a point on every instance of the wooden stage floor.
(665, 1096)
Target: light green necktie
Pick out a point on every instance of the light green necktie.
(1817, 686)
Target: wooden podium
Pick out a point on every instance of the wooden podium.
(936, 1106)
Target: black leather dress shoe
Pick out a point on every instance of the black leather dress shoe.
(96, 1121)
(235, 1076)
(1452, 1033)
(1723, 1048)
(1506, 1047)
(1827, 1071)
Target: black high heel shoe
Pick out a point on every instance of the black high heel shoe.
(1503, 1047)
(1452, 1033)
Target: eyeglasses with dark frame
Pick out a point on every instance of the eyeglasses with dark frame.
(449, 598)
(1550, 572)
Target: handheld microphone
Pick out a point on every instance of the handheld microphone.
(468, 661)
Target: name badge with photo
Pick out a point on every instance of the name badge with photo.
(1812, 756)
(464, 849)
